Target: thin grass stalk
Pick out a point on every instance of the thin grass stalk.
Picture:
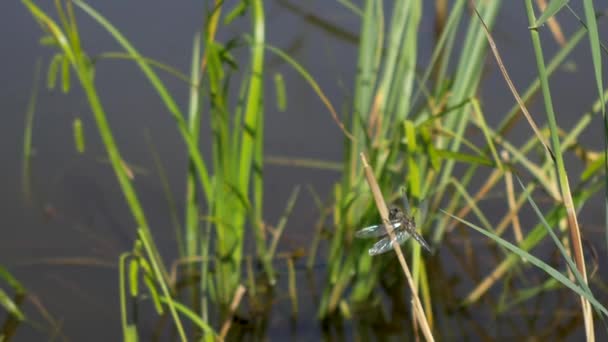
(238, 295)
(211, 29)
(151, 61)
(129, 331)
(595, 42)
(291, 201)
(258, 201)
(513, 211)
(164, 182)
(379, 199)
(503, 70)
(192, 225)
(471, 203)
(425, 292)
(491, 181)
(553, 24)
(293, 288)
(191, 222)
(316, 239)
(27, 137)
(540, 173)
(510, 118)
(511, 199)
(561, 171)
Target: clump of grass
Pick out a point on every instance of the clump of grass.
(232, 194)
(418, 141)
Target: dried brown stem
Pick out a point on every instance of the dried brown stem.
(381, 205)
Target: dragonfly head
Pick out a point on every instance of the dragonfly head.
(394, 213)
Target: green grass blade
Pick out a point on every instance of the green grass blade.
(281, 95)
(78, 135)
(191, 315)
(51, 76)
(192, 235)
(594, 42)
(9, 305)
(351, 6)
(558, 243)
(11, 281)
(560, 169)
(129, 330)
(164, 181)
(552, 8)
(283, 221)
(523, 295)
(27, 136)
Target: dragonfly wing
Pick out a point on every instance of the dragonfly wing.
(420, 240)
(374, 231)
(385, 245)
(381, 246)
(401, 236)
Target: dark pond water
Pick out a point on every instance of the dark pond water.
(65, 244)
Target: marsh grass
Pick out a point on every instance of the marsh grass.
(410, 123)
(419, 143)
(236, 157)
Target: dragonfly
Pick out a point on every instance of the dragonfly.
(404, 227)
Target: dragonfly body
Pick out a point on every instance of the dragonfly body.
(403, 226)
